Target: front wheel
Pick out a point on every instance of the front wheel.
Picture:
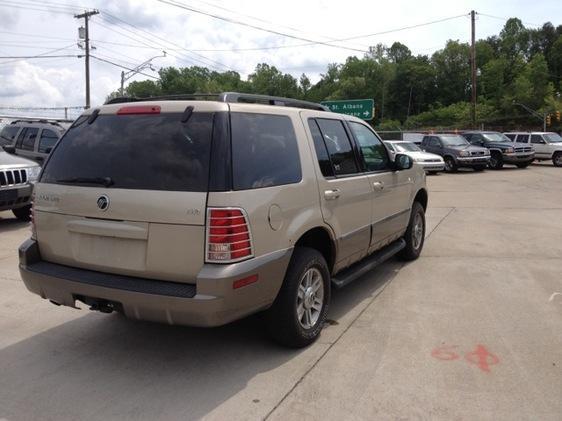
(496, 161)
(415, 234)
(450, 164)
(557, 159)
(298, 314)
(23, 214)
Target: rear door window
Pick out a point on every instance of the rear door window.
(374, 153)
(28, 142)
(47, 140)
(264, 151)
(148, 152)
(321, 150)
(523, 138)
(19, 141)
(338, 145)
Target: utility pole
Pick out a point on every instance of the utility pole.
(473, 67)
(86, 16)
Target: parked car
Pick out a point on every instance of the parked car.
(239, 207)
(17, 176)
(32, 139)
(456, 152)
(502, 149)
(547, 145)
(430, 162)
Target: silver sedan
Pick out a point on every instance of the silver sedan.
(430, 162)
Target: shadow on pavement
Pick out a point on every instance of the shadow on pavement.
(107, 367)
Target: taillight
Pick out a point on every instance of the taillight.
(228, 235)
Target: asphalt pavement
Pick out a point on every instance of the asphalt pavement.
(471, 330)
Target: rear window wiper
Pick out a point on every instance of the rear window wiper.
(104, 181)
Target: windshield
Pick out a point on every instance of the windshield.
(149, 152)
(496, 137)
(453, 140)
(552, 137)
(406, 147)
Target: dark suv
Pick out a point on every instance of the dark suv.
(502, 149)
(456, 151)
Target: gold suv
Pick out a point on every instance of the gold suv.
(200, 212)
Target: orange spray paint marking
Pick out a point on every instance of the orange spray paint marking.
(445, 353)
(482, 358)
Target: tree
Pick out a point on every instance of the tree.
(452, 72)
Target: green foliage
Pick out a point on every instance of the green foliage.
(520, 65)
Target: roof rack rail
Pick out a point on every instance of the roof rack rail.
(270, 100)
(229, 97)
(54, 122)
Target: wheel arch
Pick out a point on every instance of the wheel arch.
(320, 239)
(421, 197)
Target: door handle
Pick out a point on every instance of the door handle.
(331, 194)
(378, 185)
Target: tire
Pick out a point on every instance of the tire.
(496, 161)
(23, 214)
(414, 237)
(523, 165)
(289, 322)
(450, 164)
(557, 159)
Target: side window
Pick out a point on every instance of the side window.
(390, 147)
(536, 138)
(321, 151)
(338, 145)
(469, 136)
(425, 141)
(28, 143)
(511, 136)
(475, 139)
(8, 135)
(434, 142)
(373, 151)
(47, 140)
(264, 151)
(20, 138)
(523, 138)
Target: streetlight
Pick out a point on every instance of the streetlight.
(540, 116)
(125, 76)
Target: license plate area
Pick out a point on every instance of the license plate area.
(11, 194)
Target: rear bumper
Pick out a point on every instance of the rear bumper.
(210, 301)
(15, 197)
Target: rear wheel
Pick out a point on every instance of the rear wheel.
(557, 159)
(297, 316)
(496, 161)
(415, 234)
(450, 164)
(23, 214)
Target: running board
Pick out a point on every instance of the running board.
(360, 268)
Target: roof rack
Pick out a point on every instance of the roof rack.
(54, 122)
(233, 97)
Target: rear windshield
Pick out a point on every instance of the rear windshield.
(148, 152)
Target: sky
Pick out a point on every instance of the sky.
(129, 32)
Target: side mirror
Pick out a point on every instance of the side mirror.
(403, 162)
(10, 149)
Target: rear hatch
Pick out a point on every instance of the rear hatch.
(126, 192)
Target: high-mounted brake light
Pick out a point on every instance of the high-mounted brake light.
(139, 109)
(228, 235)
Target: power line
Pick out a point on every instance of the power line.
(122, 67)
(40, 55)
(506, 19)
(30, 57)
(259, 28)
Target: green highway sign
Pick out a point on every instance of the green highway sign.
(362, 108)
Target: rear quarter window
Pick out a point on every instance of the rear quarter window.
(264, 151)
